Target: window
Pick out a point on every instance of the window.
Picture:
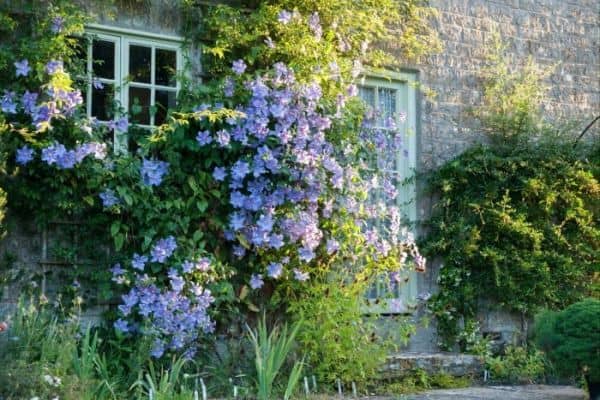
(393, 95)
(131, 72)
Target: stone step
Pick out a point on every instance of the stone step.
(455, 364)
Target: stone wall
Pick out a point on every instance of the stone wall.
(564, 33)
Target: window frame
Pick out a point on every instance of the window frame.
(123, 38)
(405, 84)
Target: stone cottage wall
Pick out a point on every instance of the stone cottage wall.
(564, 33)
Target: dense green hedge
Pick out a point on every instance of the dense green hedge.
(571, 339)
(516, 225)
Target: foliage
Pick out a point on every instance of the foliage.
(571, 339)
(309, 35)
(419, 380)
(46, 352)
(340, 342)
(517, 219)
(511, 95)
(518, 227)
(257, 188)
(42, 356)
(518, 365)
(271, 351)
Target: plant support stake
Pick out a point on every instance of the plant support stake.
(354, 389)
(339, 385)
(203, 386)
(314, 382)
(306, 388)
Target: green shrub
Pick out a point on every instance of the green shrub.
(339, 340)
(515, 226)
(571, 339)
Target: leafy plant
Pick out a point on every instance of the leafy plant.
(164, 384)
(517, 219)
(518, 365)
(571, 340)
(271, 351)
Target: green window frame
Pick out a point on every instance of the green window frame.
(395, 94)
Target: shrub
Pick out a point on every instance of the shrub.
(515, 226)
(571, 340)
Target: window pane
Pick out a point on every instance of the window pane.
(103, 53)
(139, 63)
(387, 104)
(102, 102)
(166, 65)
(367, 94)
(165, 100)
(139, 105)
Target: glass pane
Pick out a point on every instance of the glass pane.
(139, 105)
(367, 94)
(165, 100)
(139, 63)
(166, 65)
(103, 53)
(102, 102)
(387, 104)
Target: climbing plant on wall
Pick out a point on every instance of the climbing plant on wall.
(255, 189)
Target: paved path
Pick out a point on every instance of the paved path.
(528, 392)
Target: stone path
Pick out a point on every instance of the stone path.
(528, 392)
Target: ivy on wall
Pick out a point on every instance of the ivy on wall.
(517, 219)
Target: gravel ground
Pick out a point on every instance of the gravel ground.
(528, 392)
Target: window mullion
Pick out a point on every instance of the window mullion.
(89, 73)
(152, 83)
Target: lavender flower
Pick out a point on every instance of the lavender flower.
(120, 125)
(22, 68)
(203, 138)
(274, 270)
(314, 23)
(121, 325)
(58, 24)
(29, 102)
(139, 262)
(7, 103)
(301, 276)
(24, 155)
(284, 17)
(219, 173)
(240, 169)
(152, 172)
(256, 281)
(109, 198)
(203, 265)
(228, 87)
(332, 246)
(163, 249)
(54, 66)
(97, 83)
(396, 305)
(223, 138)
(238, 67)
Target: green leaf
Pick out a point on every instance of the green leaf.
(119, 240)
(114, 228)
